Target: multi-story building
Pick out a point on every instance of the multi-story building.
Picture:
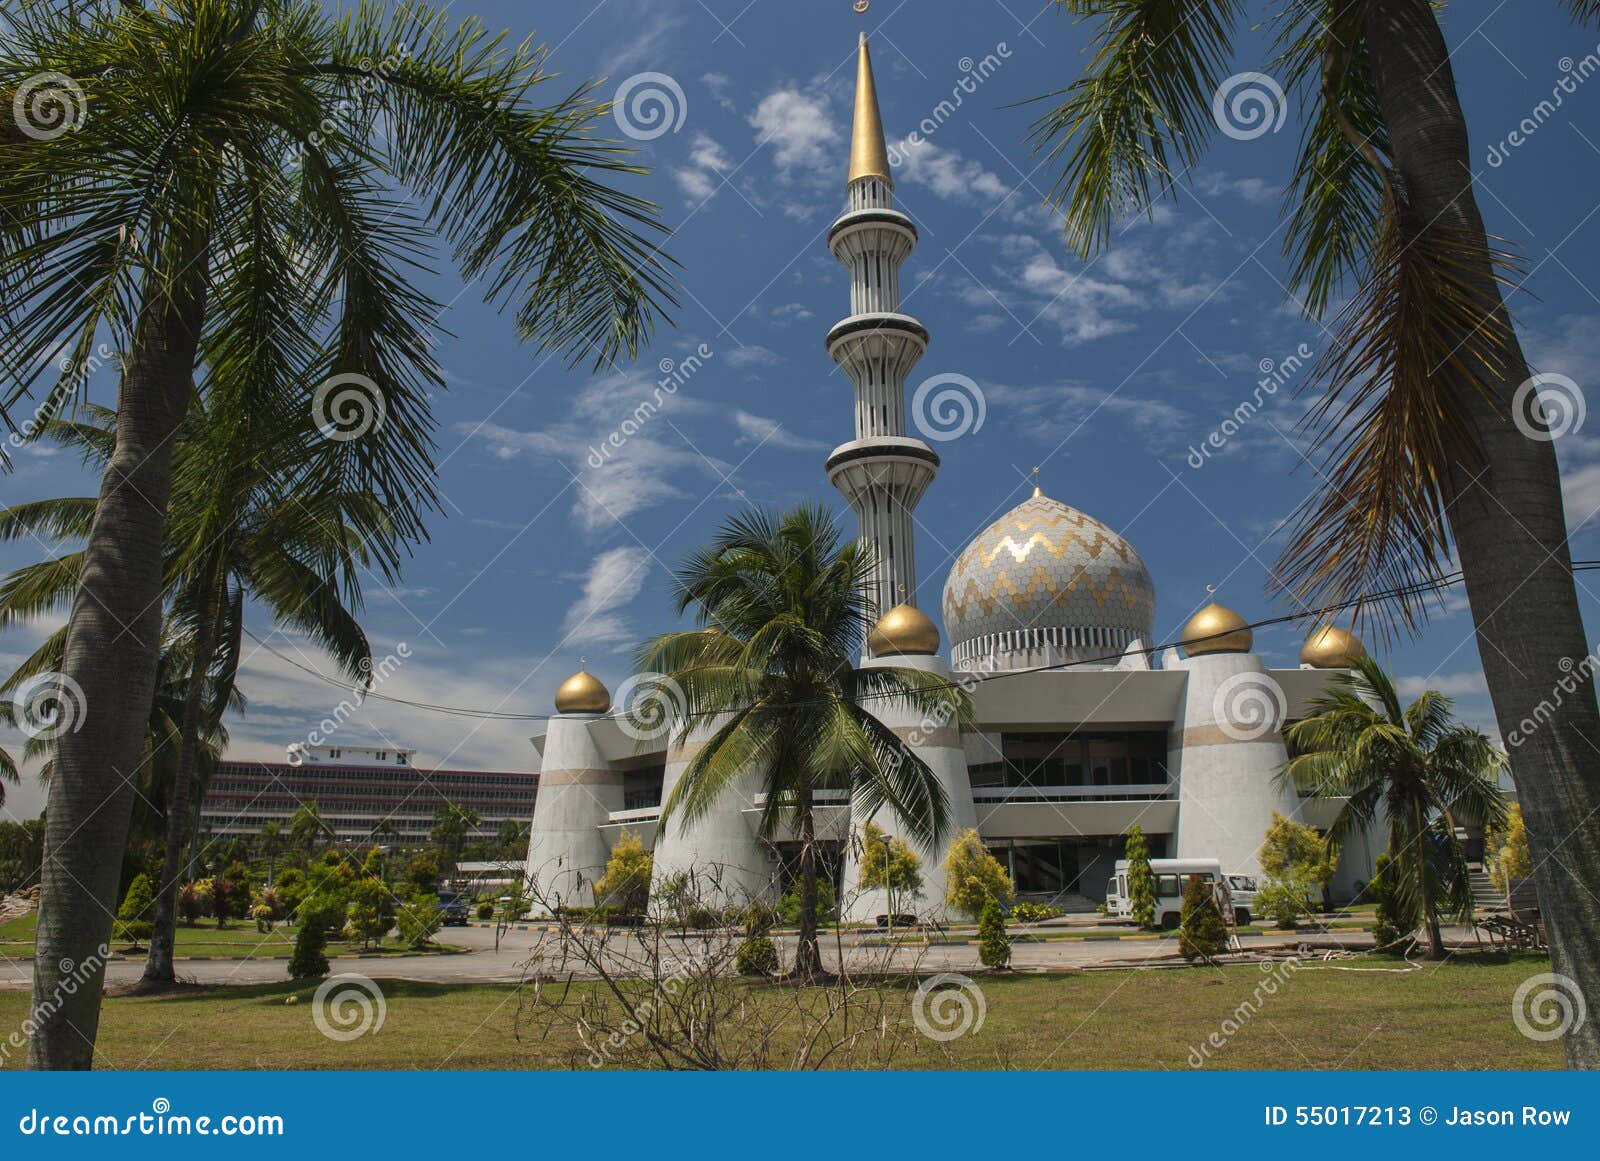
(360, 792)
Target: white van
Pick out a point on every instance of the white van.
(1171, 877)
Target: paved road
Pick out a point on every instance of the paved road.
(510, 963)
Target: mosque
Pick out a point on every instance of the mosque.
(1082, 731)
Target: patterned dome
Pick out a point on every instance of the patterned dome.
(1046, 584)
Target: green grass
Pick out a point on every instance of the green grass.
(239, 940)
(1454, 1016)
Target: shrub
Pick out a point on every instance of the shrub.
(1141, 883)
(827, 905)
(291, 889)
(626, 882)
(1391, 930)
(419, 920)
(484, 909)
(1295, 852)
(757, 957)
(222, 900)
(194, 900)
(1201, 932)
(759, 918)
(994, 945)
(1284, 901)
(1509, 859)
(272, 901)
(974, 876)
(137, 910)
(1036, 912)
(262, 914)
(310, 959)
(889, 865)
(698, 918)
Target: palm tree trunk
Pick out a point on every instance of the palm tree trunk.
(1509, 529)
(113, 644)
(158, 971)
(807, 956)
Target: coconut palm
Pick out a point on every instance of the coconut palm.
(1420, 391)
(256, 186)
(784, 604)
(307, 828)
(1415, 769)
(254, 515)
(8, 764)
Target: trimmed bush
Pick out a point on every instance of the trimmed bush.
(1201, 932)
(994, 945)
(135, 917)
(485, 909)
(974, 876)
(757, 957)
(827, 905)
(1141, 883)
(1036, 912)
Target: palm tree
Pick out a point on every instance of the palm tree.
(1414, 767)
(1425, 390)
(271, 844)
(451, 824)
(8, 764)
(253, 515)
(306, 828)
(785, 609)
(251, 186)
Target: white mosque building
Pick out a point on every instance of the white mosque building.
(1082, 732)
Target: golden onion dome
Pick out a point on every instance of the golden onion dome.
(1332, 648)
(903, 630)
(583, 693)
(1215, 629)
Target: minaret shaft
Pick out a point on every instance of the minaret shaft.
(882, 473)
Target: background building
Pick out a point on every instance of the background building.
(358, 790)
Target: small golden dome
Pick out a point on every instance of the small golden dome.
(1215, 629)
(901, 631)
(582, 693)
(1332, 648)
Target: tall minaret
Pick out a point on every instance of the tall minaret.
(882, 472)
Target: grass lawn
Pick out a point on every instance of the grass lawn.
(1454, 1016)
(239, 940)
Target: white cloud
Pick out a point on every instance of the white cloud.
(769, 432)
(752, 355)
(614, 579)
(708, 162)
(1251, 190)
(1467, 684)
(947, 173)
(1055, 411)
(798, 126)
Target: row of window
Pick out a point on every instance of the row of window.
(1075, 759)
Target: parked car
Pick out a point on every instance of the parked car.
(453, 909)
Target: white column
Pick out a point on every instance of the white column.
(1228, 750)
(578, 790)
(722, 847)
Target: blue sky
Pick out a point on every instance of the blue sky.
(1104, 373)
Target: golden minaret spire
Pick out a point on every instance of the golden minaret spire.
(869, 156)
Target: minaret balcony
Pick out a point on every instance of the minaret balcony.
(880, 339)
(886, 232)
(896, 464)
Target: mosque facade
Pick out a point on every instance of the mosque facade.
(1083, 728)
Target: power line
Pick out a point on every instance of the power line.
(1439, 584)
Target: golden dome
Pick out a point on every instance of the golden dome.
(1332, 648)
(582, 693)
(1215, 629)
(903, 630)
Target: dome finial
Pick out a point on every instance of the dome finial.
(1037, 491)
(869, 156)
